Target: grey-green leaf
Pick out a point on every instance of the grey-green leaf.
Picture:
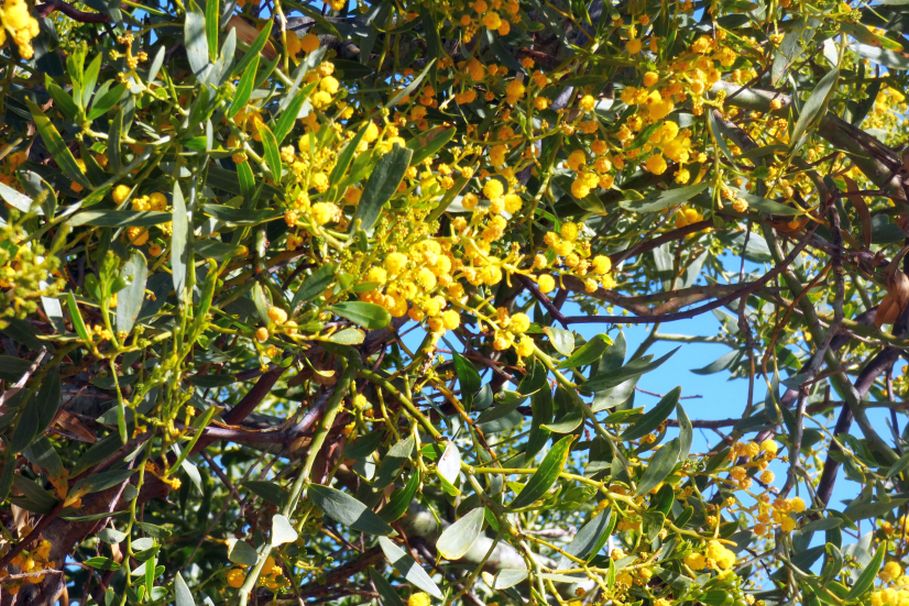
(814, 107)
(382, 183)
(545, 475)
(131, 296)
(282, 531)
(347, 510)
(406, 565)
(456, 540)
(184, 597)
(367, 315)
(660, 466)
(179, 249)
(652, 419)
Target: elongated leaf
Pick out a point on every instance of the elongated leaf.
(635, 368)
(664, 200)
(195, 41)
(56, 146)
(382, 183)
(410, 87)
(130, 298)
(212, 25)
(182, 594)
(467, 375)
(592, 536)
(119, 218)
(179, 244)
(347, 510)
(244, 88)
(588, 353)
(76, 316)
(656, 415)
(865, 579)
(685, 432)
(289, 115)
(345, 158)
(367, 315)
(546, 474)
(456, 540)
(406, 565)
(387, 594)
(426, 144)
(15, 198)
(314, 284)
(401, 499)
(272, 154)
(660, 466)
(814, 107)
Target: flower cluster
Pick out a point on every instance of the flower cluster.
(17, 23)
(27, 273)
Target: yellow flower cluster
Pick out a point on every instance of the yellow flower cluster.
(492, 15)
(155, 201)
(17, 23)
(271, 577)
(27, 273)
(30, 564)
(716, 556)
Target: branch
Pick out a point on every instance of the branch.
(70, 11)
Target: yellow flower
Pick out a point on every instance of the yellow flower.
(120, 193)
(235, 577)
(891, 572)
(633, 46)
(419, 599)
(656, 164)
(491, 20)
(309, 43)
(546, 283)
(493, 189)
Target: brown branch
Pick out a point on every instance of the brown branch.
(71, 11)
(684, 315)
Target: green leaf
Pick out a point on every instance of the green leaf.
(289, 115)
(348, 336)
(56, 146)
(212, 25)
(814, 107)
(635, 368)
(62, 100)
(33, 497)
(401, 499)
(344, 160)
(106, 100)
(347, 510)
(659, 467)
(101, 563)
(100, 481)
(282, 531)
(272, 154)
(410, 87)
(15, 198)
(456, 540)
(426, 144)
(562, 339)
(367, 315)
(865, 579)
(314, 284)
(591, 537)
(12, 368)
(545, 475)
(244, 88)
(89, 79)
(382, 184)
(588, 353)
(721, 363)
(131, 297)
(195, 41)
(179, 243)
(768, 206)
(241, 552)
(76, 316)
(467, 375)
(685, 432)
(664, 200)
(652, 419)
(448, 468)
(412, 572)
(184, 597)
(387, 595)
(119, 218)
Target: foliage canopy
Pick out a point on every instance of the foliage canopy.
(306, 302)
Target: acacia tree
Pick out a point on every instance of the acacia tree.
(292, 297)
